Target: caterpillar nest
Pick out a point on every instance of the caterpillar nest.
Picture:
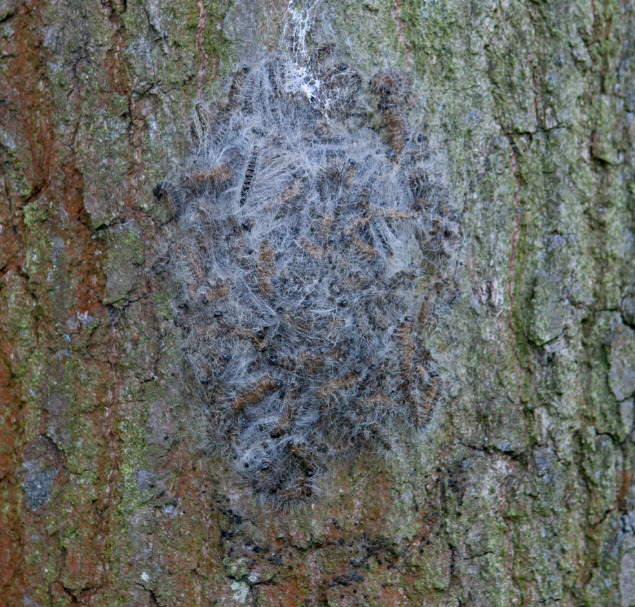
(311, 232)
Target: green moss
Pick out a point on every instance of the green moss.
(35, 212)
(163, 306)
(16, 157)
(124, 254)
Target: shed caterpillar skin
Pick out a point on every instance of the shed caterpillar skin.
(249, 176)
(303, 248)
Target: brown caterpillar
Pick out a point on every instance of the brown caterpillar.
(428, 302)
(287, 195)
(322, 53)
(356, 224)
(406, 347)
(236, 87)
(316, 252)
(396, 129)
(219, 174)
(393, 214)
(254, 394)
(424, 411)
(283, 425)
(204, 123)
(266, 267)
(291, 192)
(255, 337)
(334, 385)
(364, 248)
(375, 401)
(392, 91)
(217, 290)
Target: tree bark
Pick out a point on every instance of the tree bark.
(520, 494)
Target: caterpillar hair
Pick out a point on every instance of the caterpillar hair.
(308, 255)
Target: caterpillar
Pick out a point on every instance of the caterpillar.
(236, 88)
(254, 394)
(266, 267)
(219, 174)
(406, 347)
(392, 91)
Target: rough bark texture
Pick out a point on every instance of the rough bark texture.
(521, 496)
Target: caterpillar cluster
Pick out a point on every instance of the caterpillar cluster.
(312, 227)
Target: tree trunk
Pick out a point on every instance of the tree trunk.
(520, 494)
